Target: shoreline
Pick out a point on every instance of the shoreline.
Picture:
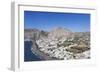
(41, 55)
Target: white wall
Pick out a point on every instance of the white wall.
(5, 34)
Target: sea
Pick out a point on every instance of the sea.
(28, 54)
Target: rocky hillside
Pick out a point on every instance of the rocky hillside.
(60, 43)
(34, 34)
(59, 33)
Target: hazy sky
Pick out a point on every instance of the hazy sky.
(49, 20)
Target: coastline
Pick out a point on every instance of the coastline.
(41, 55)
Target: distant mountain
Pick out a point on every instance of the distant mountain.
(59, 32)
(34, 34)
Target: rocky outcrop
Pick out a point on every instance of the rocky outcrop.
(34, 34)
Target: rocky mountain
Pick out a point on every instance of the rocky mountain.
(60, 32)
(60, 43)
(34, 34)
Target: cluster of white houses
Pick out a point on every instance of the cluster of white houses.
(50, 47)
